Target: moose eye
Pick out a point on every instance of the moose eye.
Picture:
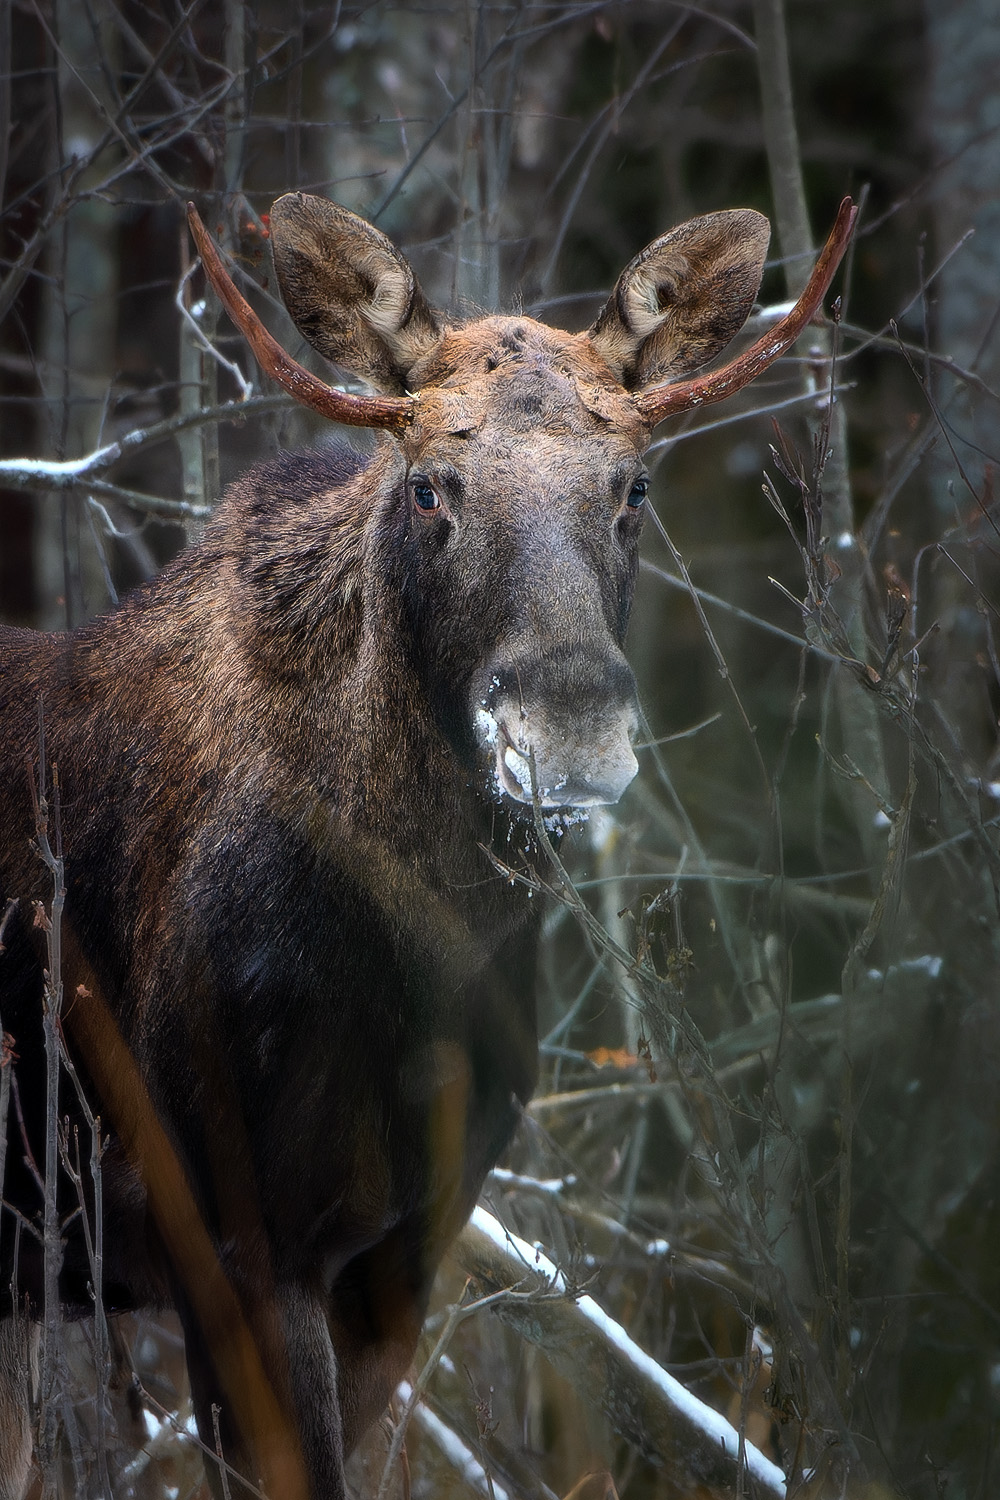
(637, 493)
(424, 496)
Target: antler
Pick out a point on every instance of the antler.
(392, 412)
(665, 400)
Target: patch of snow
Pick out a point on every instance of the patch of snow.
(519, 769)
(773, 312)
(711, 1423)
(154, 1425)
(762, 1343)
(506, 1178)
(61, 468)
(461, 1458)
(987, 788)
(566, 817)
(487, 726)
(930, 964)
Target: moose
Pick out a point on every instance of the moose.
(290, 777)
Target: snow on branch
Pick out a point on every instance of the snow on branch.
(453, 1450)
(86, 473)
(645, 1404)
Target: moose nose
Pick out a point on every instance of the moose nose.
(602, 783)
(534, 756)
(557, 722)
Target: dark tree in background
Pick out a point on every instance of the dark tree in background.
(766, 1138)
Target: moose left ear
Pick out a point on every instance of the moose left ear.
(683, 298)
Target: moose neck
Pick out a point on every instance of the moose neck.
(325, 659)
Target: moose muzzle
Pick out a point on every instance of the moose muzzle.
(570, 746)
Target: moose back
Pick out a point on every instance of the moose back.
(298, 990)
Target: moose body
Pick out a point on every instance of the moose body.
(291, 772)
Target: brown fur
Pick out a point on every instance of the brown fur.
(296, 987)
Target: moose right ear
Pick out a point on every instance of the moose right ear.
(349, 291)
(682, 299)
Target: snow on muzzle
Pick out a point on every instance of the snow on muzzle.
(579, 751)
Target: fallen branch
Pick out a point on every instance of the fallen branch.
(670, 1427)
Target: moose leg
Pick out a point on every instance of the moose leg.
(19, 1338)
(272, 1393)
(377, 1308)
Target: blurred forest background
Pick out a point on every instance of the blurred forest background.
(766, 1137)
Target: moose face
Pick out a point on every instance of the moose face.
(525, 490)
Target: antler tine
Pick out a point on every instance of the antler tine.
(391, 412)
(666, 400)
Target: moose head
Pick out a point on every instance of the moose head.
(519, 448)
